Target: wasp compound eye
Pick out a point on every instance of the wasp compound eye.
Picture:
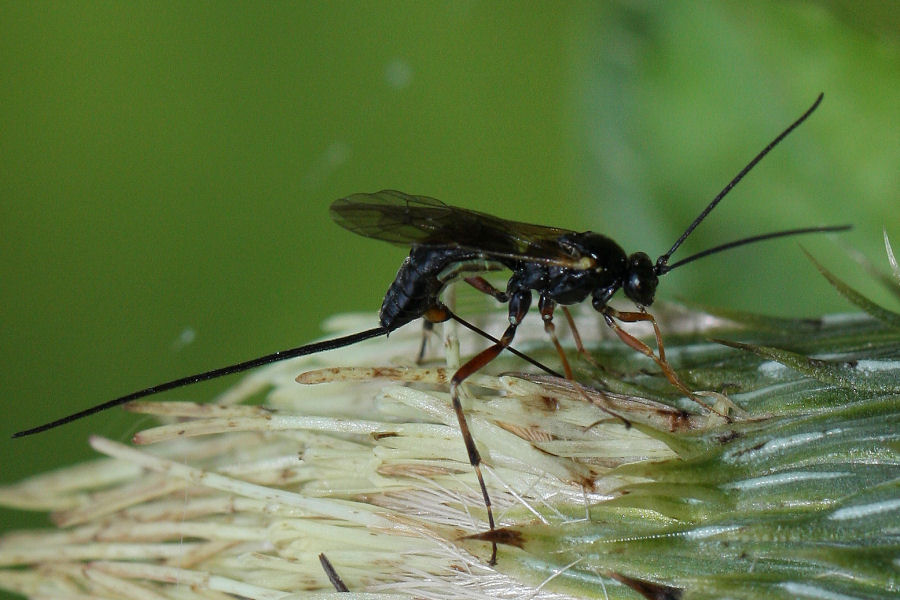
(640, 280)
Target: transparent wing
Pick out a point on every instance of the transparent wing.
(406, 220)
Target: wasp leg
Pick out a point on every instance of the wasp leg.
(479, 283)
(546, 307)
(610, 314)
(634, 317)
(579, 345)
(486, 287)
(488, 336)
(474, 365)
(436, 314)
(333, 576)
(518, 307)
(427, 329)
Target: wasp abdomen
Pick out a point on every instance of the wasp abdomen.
(419, 283)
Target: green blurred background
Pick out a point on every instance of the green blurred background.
(167, 167)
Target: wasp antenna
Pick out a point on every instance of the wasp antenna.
(660, 270)
(663, 260)
(340, 342)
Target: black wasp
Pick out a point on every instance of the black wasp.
(564, 267)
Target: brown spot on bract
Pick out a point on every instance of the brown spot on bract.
(728, 436)
(588, 483)
(752, 448)
(385, 372)
(648, 589)
(508, 537)
(550, 403)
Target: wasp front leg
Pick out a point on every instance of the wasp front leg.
(610, 315)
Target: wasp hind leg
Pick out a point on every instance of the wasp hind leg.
(441, 313)
(332, 574)
(427, 330)
(518, 307)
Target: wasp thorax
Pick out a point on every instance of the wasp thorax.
(640, 279)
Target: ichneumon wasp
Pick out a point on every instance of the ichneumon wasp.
(564, 267)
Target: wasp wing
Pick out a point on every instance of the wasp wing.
(405, 220)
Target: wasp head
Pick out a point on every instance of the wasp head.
(640, 280)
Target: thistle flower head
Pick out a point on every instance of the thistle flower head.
(613, 487)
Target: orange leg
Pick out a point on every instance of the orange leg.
(471, 367)
(579, 345)
(610, 314)
(479, 283)
(486, 287)
(551, 330)
(518, 307)
(546, 307)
